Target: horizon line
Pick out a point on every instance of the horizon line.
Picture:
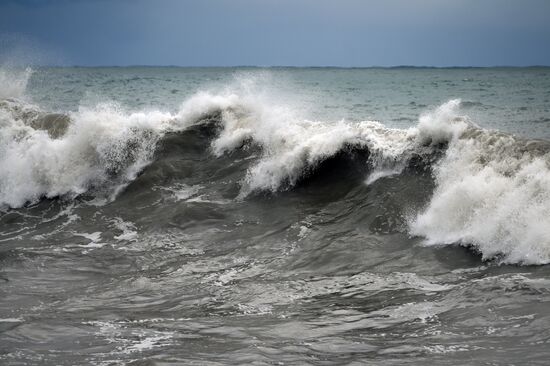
(293, 66)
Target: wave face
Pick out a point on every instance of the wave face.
(238, 204)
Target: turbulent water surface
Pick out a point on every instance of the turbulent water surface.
(274, 216)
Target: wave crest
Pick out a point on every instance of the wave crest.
(492, 190)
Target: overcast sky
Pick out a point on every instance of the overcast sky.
(276, 32)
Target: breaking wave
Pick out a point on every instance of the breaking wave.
(492, 190)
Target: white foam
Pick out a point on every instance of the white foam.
(376, 175)
(128, 230)
(94, 239)
(98, 142)
(487, 197)
(181, 191)
(441, 125)
(492, 192)
(130, 338)
(11, 320)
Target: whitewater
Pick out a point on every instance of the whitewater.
(274, 207)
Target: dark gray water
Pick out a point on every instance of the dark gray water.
(262, 216)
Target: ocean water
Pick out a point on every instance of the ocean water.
(279, 216)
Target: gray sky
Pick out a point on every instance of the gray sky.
(276, 32)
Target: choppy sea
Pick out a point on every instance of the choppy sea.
(274, 216)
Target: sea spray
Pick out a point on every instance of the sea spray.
(13, 82)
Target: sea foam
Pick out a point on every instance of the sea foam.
(492, 192)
